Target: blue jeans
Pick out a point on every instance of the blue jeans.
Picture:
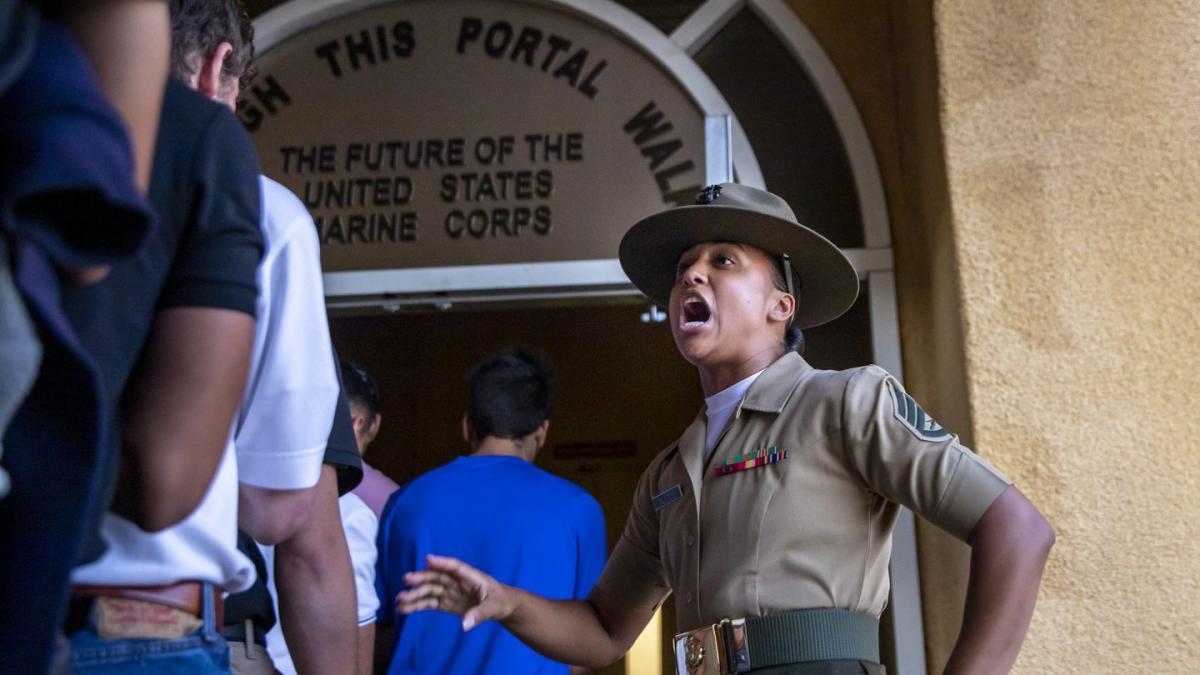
(204, 651)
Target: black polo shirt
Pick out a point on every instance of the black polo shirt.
(204, 252)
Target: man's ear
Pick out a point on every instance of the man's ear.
(539, 436)
(373, 431)
(211, 70)
(466, 429)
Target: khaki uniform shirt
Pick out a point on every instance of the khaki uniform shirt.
(812, 529)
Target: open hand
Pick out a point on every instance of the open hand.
(453, 586)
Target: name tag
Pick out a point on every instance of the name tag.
(750, 460)
(666, 497)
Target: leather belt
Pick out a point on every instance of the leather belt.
(802, 636)
(186, 596)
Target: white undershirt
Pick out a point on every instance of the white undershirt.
(719, 408)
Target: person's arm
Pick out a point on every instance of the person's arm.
(592, 633)
(899, 452)
(366, 648)
(592, 548)
(179, 408)
(128, 43)
(272, 517)
(316, 587)
(1009, 547)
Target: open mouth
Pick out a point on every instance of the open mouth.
(695, 312)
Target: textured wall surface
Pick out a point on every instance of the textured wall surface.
(1072, 143)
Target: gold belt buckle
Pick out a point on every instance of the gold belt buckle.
(705, 651)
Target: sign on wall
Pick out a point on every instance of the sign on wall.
(460, 132)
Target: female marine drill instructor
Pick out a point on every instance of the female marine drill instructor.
(771, 517)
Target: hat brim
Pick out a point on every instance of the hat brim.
(825, 279)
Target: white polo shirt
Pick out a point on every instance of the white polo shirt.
(278, 438)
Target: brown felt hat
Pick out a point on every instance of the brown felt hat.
(826, 282)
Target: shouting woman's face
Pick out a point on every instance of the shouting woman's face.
(725, 307)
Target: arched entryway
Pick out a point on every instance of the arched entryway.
(793, 128)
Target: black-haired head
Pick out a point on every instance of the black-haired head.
(511, 393)
(360, 390)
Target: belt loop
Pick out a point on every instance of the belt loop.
(249, 635)
(208, 612)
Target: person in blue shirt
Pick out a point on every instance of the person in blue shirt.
(495, 510)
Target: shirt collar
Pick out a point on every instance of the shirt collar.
(771, 391)
(731, 395)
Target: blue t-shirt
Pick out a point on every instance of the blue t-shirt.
(510, 519)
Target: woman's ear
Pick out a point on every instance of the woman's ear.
(783, 306)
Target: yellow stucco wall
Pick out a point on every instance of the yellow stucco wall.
(1072, 149)
(1042, 167)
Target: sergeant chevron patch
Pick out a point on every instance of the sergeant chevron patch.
(910, 413)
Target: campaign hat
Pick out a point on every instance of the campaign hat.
(825, 281)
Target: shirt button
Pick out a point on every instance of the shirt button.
(689, 597)
(691, 541)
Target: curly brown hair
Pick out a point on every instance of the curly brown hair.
(198, 27)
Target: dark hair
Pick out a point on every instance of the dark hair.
(511, 393)
(359, 388)
(198, 27)
(793, 337)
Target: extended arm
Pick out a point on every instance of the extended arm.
(179, 409)
(592, 632)
(316, 587)
(1009, 547)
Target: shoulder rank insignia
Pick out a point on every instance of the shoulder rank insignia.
(751, 459)
(911, 415)
(667, 497)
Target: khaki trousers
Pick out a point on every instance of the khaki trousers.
(250, 659)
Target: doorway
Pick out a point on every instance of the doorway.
(621, 391)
